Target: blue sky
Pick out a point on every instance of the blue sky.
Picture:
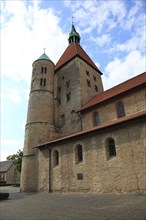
(112, 33)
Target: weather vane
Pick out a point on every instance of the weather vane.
(72, 19)
(44, 49)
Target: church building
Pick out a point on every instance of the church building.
(78, 137)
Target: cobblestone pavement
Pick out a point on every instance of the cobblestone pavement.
(45, 206)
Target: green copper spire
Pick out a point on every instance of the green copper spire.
(43, 57)
(74, 36)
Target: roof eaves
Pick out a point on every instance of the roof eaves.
(100, 127)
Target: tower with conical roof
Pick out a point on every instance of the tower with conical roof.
(77, 80)
(39, 125)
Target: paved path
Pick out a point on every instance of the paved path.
(45, 206)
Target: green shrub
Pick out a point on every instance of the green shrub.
(3, 195)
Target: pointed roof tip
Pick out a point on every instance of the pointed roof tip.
(73, 35)
(43, 57)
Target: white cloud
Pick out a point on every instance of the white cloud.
(102, 40)
(118, 70)
(96, 14)
(13, 95)
(24, 34)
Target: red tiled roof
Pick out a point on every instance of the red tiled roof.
(121, 88)
(72, 51)
(99, 127)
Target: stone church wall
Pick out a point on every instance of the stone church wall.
(133, 102)
(123, 173)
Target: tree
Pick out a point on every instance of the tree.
(17, 159)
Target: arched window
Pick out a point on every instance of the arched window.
(79, 153)
(56, 158)
(110, 148)
(95, 119)
(120, 110)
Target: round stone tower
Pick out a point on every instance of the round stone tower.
(39, 125)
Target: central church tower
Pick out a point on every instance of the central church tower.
(77, 79)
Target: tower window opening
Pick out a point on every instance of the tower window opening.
(68, 96)
(67, 84)
(120, 110)
(88, 83)
(62, 77)
(94, 77)
(87, 73)
(44, 82)
(56, 158)
(41, 82)
(96, 88)
(43, 69)
(79, 153)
